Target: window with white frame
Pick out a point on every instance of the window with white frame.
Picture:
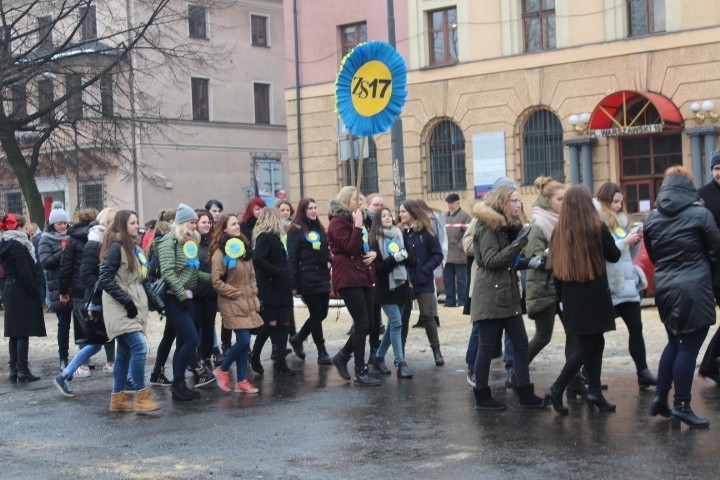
(92, 193)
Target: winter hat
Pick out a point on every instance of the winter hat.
(58, 214)
(504, 181)
(715, 159)
(453, 197)
(184, 214)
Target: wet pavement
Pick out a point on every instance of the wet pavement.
(316, 425)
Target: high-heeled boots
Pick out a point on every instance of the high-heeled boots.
(595, 399)
(554, 397)
(646, 379)
(659, 405)
(682, 412)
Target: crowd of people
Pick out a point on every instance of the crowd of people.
(571, 257)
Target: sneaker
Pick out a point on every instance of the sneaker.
(82, 372)
(246, 387)
(160, 379)
(223, 380)
(471, 378)
(62, 384)
(109, 367)
(204, 378)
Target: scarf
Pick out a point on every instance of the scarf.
(391, 242)
(58, 237)
(545, 220)
(21, 237)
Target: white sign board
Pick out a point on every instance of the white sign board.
(488, 160)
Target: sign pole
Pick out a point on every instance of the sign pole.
(361, 156)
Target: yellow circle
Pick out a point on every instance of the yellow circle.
(371, 88)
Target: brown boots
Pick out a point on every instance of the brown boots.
(120, 402)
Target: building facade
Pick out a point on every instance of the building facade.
(582, 91)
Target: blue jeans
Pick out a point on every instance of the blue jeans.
(130, 355)
(81, 358)
(238, 354)
(677, 363)
(63, 334)
(451, 273)
(393, 333)
(186, 335)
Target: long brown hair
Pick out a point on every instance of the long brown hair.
(419, 214)
(219, 232)
(302, 220)
(605, 194)
(576, 250)
(118, 229)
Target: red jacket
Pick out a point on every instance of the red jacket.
(346, 246)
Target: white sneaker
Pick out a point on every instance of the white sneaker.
(82, 372)
(109, 367)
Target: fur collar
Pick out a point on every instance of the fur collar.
(489, 216)
(337, 210)
(610, 218)
(414, 226)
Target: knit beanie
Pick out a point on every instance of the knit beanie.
(504, 181)
(58, 214)
(715, 159)
(184, 214)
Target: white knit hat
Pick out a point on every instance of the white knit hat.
(58, 214)
(184, 214)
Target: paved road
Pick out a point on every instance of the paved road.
(317, 426)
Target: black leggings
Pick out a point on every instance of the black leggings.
(359, 302)
(163, 351)
(630, 313)
(589, 353)
(317, 304)
(205, 312)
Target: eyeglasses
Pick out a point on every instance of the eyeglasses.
(515, 200)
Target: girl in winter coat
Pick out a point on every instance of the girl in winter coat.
(422, 243)
(499, 238)
(624, 278)
(579, 249)
(391, 286)
(180, 267)
(309, 261)
(682, 241)
(126, 302)
(21, 295)
(352, 278)
(274, 289)
(50, 250)
(250, 217)
(233, 278)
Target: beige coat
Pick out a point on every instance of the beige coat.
(467, 242)
(237, 293)
(116, 319)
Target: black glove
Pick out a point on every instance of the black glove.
(131, 310)
(522, 238)
(186, 304)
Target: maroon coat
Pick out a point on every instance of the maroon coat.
(346, 247)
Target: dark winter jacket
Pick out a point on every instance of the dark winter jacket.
(425, 248)
(246, 228)
(22, 298)
(681, 238)
(204, 291)
(271, 271)
(383, 268)
(346, 245)
(90, 264)
(50, 250)
(710, 194)
(70, 262)
(309, 270)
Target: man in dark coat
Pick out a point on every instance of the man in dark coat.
(710, 194)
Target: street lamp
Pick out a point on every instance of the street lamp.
(708, 107)
(579, 122)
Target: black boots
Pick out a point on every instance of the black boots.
(439, 360)
(510, 380)
(297, 345)
(682, 412)
(576, 388)
(659, 405)
(323, 357)
(19, 350)
(13, 372)
(24, 375)
(485, 402)
(255, 363)
(281, 369)
(363, 379)
(527, 397)
(595, 399)
(646, 379)
(340, 361)
(554, 397)
(378, 363)
(180, 391)
(403, 371)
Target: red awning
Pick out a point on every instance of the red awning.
(608, 113)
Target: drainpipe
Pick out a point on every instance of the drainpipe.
(297, 100)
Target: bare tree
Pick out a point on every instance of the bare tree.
(68, 83)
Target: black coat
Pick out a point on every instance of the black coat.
(89, 270)
(681, 238)
(271, 271)
(425, 247)
(49, 255)
(309, 272)
(204, 291)
(383, 294)
(70, 281)
(246, 228)
(22, 293)
(587, 306)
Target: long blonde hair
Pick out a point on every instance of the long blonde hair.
(344, 195)
(182, 232)
(268, 221)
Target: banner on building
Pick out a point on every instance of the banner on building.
(488, 160)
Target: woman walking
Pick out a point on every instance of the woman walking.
(233, 278)
(682, 240)
(205, 304)
(624, 278)
(22, 301)
(126, 301)
(579, 249)
(309, 263)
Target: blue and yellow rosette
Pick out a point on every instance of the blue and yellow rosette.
(621, 233)
(142, 259)
(314, 238)
(234, 249)
(366, 240)
(190, 249)
(392, 247)
(371, 88)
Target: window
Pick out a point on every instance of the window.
(88, 31)
(107, 107)
(539, 21)
(45, 32)
(197, 23)
(352, 35)
(369, 181)
(442, 26)
(12, 201)
(200, 99)
(645, 16)
(262, 102)
(46, 96)
(73, 82)
(19, 100)
(92, 194)
(542, 147)
(447, 158)
(269, 179)
(258, 26)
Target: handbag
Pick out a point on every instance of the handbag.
(90, 319)
(159, 288)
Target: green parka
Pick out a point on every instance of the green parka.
(175, 270)
(539, 288)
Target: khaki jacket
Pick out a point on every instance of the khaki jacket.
(237, 293)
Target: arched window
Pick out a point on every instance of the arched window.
(369, 182)
(542, 147)
(447, 158)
